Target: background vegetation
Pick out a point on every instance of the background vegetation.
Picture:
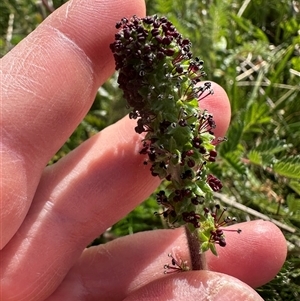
(252, 49)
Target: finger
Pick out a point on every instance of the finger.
(77, 199)
(254, 255)
(195, 285)
(219, 105)
(119, 268)
(49, 82)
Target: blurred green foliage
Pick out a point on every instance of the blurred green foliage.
(252, 49)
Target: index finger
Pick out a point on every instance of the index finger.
(135, 265)
(49, 82)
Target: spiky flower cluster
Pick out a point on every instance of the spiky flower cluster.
(160, 80)
(177, 265)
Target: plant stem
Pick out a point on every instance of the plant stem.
(198, 259)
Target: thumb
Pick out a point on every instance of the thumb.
(196, 285)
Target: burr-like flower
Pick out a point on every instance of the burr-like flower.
(160, 80)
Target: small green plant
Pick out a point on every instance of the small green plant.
(160, 80)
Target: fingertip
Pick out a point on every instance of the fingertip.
(254, 256)
(195, 285)
(218, 104)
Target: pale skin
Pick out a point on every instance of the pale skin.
(50, 214)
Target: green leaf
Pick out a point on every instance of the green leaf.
(288, 167)
(205, 246)
(267, 159)
(284, 57)
(272, 146)
(256, 115)
(295, 185)
(264, 153)
(234, 160)
(293, 203)
(255, 157)
(213, 249)
(248, 27)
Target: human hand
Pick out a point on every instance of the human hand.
(49, 215)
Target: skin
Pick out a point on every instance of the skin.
(49, 214)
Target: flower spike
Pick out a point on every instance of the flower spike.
(161, 81)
